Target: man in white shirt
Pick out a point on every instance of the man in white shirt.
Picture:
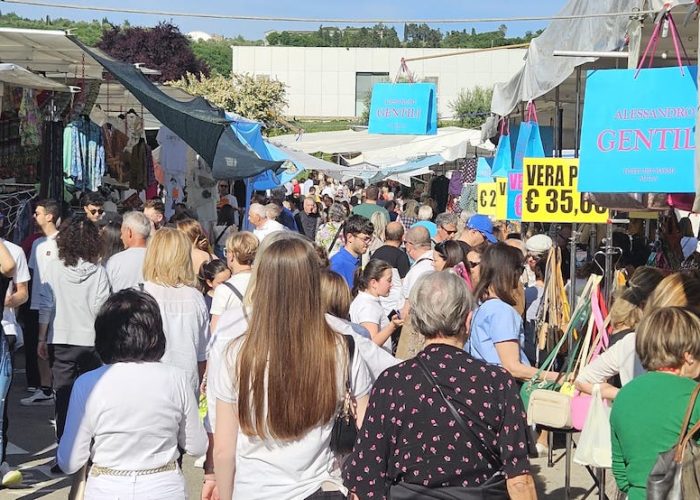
(257, 215)
(125, 269)
(419, 249)
(44, 251)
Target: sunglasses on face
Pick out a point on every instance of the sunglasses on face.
(474, 264)
(94, 211)
(448, 231)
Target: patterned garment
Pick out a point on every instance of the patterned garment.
(30, 120)
(84, 154)
(325, 235)
(409, 435)
(468, 200)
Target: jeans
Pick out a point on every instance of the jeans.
(68, 362)
(5, 381)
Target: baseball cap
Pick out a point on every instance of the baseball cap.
(482, 224)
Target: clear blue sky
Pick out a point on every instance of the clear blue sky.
(303, 8)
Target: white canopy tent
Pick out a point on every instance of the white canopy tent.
(18, 76)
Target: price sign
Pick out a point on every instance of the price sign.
(492, 199)
(550, 193)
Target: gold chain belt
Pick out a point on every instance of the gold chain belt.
(96, 470)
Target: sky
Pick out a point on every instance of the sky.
(352, 9)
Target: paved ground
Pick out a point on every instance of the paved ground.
(32, 450)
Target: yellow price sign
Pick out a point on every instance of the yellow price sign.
(550, 193)
(492, 199)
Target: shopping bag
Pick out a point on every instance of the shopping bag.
(529, 144)
(503, 162)
(594, 446)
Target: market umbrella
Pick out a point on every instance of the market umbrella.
(201, 125)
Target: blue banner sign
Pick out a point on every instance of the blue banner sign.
(638, 134)
(403, 108)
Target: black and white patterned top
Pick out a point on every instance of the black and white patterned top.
(410, 435)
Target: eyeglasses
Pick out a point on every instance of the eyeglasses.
(94, 211)
(448, 231)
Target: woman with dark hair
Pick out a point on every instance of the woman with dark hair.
(210, 276)
(281, 384)
(497, 334)
(111, 235)
(447, 254)
(70, 296)
(371, 283)
(132, 416)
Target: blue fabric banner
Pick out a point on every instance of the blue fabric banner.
(403, 108)
(638, 134)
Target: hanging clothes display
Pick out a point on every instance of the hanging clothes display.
(135, 163)
(30, 120)
(114, 141)
(83, 154)
(202, 195)
(134, 129)
(173, 161)
(439, 189)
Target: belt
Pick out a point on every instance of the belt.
(96, 470)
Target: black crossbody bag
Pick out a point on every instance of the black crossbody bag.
(493, 489)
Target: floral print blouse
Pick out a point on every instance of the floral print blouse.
(410, 435)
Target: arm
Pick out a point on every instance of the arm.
(214, 322)
(509, 354)
(7, 263)
(225, 440)
(607, 365)
(191, 436)
(381, 336)
(18, 297)
(521, 487)
(618, 460)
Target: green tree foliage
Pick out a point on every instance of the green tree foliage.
(216, 53)
(254, 98)
(87, 32)
(376, 36)
(471, 107)
(421, 35)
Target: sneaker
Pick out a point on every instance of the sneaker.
(9, 478)
(55, 469)
(31, 389)
(39, 398)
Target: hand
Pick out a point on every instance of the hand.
(42, 350)
(203, 386)
(209, 488)
(396, 321)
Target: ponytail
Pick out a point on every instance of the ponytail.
(372, 271)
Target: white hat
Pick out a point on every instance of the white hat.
(539, 244)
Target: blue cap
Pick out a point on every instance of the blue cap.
(482, 224)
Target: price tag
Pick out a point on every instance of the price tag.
(492, 199)
(550, 193)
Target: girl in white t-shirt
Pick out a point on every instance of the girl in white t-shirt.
(372, 282)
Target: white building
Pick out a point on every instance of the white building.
(330, 82)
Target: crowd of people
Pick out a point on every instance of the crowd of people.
(320, 311)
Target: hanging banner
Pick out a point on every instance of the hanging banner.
(403, 108)
(515, 195)
(550, 193)
(492, 199)
(639, 138)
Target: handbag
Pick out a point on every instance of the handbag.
(344, 432)
(493, 489)
(674, 475)
(595, 446)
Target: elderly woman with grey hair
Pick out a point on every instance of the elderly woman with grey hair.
(443, 423)
(330, 234)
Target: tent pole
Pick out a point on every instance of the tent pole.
(696, 203)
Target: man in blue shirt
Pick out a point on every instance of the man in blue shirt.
(357, 231)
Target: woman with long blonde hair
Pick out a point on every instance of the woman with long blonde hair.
(170, 279)
(201, 248)
(282, 384)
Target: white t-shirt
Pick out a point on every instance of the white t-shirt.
(44, 251)
(271, 226)
(125, 268)
(305, 186)
(292, 469)
(366, 308)
(225, 298)
(423, 264)
(186, 325)
(131, 416)
(173, 152)
(21, 275)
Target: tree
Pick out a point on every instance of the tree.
(163, 48)
(216, 54)
(253, 98)
(472, 106)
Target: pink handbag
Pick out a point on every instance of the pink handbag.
(581, 403)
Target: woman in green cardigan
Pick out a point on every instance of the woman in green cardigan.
(647, 415)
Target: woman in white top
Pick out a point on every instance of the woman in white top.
(620, 358)
(281, 386)
(170, 279)
(240, 253)
(366, 309)
(131, 416)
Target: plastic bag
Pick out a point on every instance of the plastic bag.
(595, 446)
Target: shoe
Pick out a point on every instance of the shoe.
(55, 469)
(39, 398)
(9, 478)
(542, 450)
(31, 389)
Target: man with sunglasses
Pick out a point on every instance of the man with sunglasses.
(93, 205)
(446, 227)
